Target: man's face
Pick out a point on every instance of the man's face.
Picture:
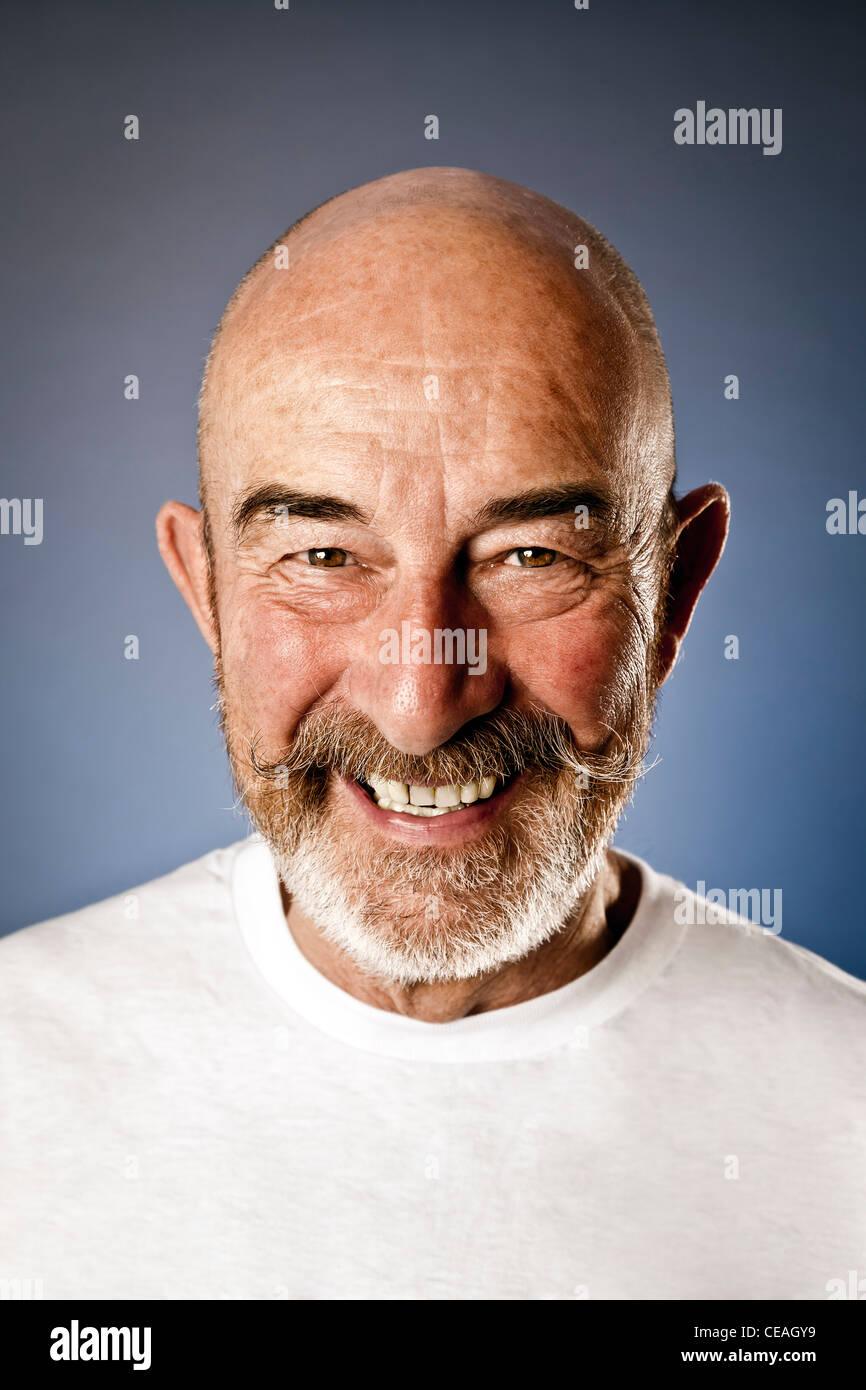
(409, 444)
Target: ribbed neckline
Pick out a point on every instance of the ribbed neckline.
(559, 1018)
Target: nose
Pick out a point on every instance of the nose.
(427, 667)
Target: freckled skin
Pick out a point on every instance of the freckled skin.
(322, 381)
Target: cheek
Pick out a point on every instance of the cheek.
(576, 667)
(274, 668)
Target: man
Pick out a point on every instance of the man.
(426, 1036)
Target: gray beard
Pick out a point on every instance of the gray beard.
(413, 917)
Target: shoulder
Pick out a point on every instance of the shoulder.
(734, 956)
(124, 932)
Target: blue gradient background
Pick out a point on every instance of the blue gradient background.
(118, 257)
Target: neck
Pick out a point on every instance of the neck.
(583, 941)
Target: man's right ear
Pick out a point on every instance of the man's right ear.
(180, 537)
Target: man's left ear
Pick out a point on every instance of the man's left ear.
(704, 516)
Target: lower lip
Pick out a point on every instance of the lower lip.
(455, 828)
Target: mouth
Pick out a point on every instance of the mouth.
(429, 802)
(431, 815)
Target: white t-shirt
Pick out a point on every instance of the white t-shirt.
(190, 1110)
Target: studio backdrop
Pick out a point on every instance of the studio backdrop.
(152, 151)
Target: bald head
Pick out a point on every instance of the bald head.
(440, 288)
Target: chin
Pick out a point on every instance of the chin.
(436, 930)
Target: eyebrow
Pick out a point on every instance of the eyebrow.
(534, 504)
(271, 501)
(538, 503)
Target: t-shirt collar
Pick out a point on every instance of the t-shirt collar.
(561, 1018)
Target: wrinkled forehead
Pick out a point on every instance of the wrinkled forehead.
(414, 359)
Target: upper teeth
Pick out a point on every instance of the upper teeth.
(429, 801)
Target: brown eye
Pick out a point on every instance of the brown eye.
(330, 558)
(534, 557)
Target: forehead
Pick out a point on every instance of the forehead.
(384, 365)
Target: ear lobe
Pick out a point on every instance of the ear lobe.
(180, 537)
(704, 516)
